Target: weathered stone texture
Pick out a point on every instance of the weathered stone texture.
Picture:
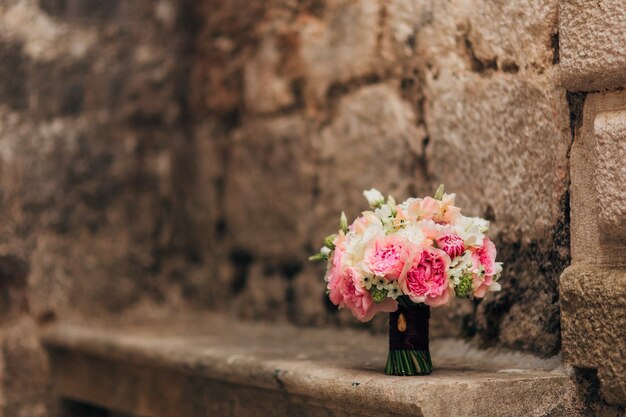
(215, 364)
(25, 388)
(498, 136)
(269, 188)
(90, 107)
(597, 181)
(340, 46)
(592, 36)
(593, 304)
(593, 288)
(520, 117)
(610, 132)
(398, 96)
(373, 141)
(175, 153)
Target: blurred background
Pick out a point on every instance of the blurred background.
(179, 155)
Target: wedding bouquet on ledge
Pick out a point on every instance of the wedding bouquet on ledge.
(403, 259)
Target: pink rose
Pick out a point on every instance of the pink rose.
(385, 256)
(451, 244)
(481, 285)
(486, 256)
(346, 292)
(426, 281)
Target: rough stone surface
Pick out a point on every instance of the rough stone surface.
(180, 154)
(493, 107)
(610, 132)
(592, 37)
(217, 364)
(374, 134)
(596, 235)
(593, 303)
(342, 45)
(90, 107)
(269, 199)
(592, 289)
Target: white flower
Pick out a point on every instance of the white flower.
(394, 293)
(413, 233)
(472, 230)
(357, 242)
(460, 266)
(325, 250)
(367, 282)
(383, 212)
(406, 203)
(380, 283)
(374, 197)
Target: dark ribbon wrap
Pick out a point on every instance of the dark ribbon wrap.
(415, 337)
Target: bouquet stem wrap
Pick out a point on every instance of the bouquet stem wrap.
(408, 341)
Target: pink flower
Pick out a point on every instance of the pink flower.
(441, 212)
(451, 244)
(385, 256)
(481, 285)
(486, 256)
(429, 208)
(426, 281)
(346, 292)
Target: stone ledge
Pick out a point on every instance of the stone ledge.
(214, 366)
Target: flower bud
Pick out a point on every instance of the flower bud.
(464, 289)
(391, 202)
(439, 193)
(329, 241)
(343, 222)
(379, 295)
(374, 197)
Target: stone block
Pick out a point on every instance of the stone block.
(342, 45)
(593, 319)
(592, 36)
(488, 36)
(267, 84)
(597, 178)
(373, 141)
(497, 130)
(610, 133)
(499, 143)
(269, 188)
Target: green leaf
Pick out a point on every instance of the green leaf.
(328, 241)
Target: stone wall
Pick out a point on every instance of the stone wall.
(308, 103)
(179, 154)
(593, 288)
(92, 110)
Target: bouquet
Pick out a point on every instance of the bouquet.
(403, 259)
